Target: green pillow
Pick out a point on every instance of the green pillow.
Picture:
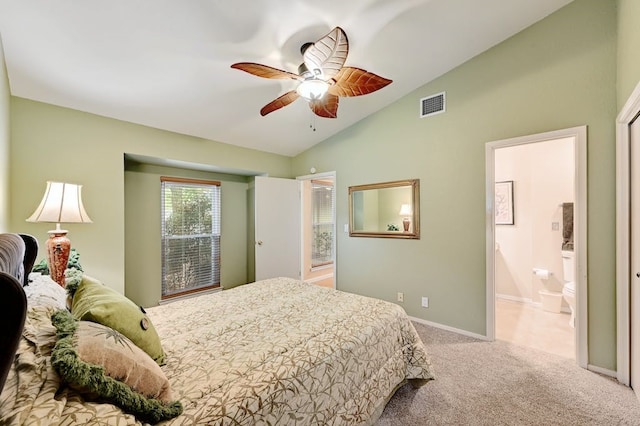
(93, 301)
(101, 362)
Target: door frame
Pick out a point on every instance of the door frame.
(627, 114)
(331, 175)
(580, 231)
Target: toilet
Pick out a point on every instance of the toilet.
(569, 288)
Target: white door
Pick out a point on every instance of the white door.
(277, 242)
(635, 256)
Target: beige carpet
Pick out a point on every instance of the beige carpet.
(498, 383)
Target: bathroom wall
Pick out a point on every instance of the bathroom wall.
(543, 176)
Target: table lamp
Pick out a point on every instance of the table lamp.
(62, 203)
(405, 210)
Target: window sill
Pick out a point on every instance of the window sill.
(189, 295)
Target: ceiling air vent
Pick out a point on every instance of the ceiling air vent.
(431, 105)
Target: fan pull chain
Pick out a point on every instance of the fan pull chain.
(312, 121)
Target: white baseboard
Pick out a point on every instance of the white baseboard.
(452, 329)
(601, 370)
(525, 300)
(528, 301)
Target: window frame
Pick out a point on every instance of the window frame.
(193, 182)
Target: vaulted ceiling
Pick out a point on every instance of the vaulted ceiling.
(166, 64)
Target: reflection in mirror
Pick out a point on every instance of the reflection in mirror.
(386, 210)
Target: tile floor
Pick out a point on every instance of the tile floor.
(528, 325)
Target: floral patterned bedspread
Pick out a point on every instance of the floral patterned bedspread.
(275, 352)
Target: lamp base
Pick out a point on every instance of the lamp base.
(58, 250)
(405, 224)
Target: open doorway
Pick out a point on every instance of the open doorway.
(318, 229)
(534, 254)
(536, 242)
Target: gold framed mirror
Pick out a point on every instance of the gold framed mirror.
(385, 210)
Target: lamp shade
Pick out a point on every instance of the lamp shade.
(62, 202)
(405, 210)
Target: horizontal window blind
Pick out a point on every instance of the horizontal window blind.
(190, 235)
(322, 205)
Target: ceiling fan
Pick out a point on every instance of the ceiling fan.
(322, 76)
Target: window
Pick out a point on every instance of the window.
(322, 221)
(190, 235)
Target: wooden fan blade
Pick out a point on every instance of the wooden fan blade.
(352, 81)
(326, 107)
(264, 71)
(280, 102)
(328, 54)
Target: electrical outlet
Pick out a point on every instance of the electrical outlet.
(425, 302)
(400, 297)
(555, 226)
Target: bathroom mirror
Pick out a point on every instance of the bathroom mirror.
(385, 210)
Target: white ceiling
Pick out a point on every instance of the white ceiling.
(166, 64)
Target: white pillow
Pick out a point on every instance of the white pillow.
(43, 291)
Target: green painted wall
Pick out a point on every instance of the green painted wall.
(54, 143)
(4, 144)
(143, 263)
(251, 232)
(628, 48)
(558, 73)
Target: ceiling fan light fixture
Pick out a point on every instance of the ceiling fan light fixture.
(312, 89)
(322, 77)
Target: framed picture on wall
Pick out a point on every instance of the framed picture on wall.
(504, 203)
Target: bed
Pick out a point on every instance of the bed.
(274, 352)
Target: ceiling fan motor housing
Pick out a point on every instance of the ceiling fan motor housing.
(306, 73)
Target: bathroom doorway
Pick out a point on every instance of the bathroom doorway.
(536, 230)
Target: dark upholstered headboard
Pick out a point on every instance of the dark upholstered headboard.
(30, 254)
(17, 256)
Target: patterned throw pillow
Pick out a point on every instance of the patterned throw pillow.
(99, 361)
(94, 301)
